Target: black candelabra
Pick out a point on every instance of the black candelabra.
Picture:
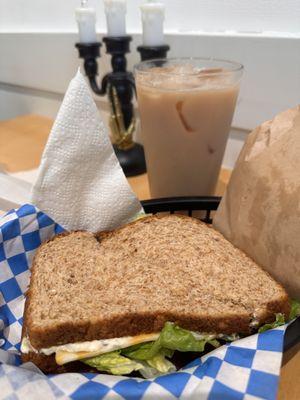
(119, 86)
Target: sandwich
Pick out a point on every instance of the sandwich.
(130, 300)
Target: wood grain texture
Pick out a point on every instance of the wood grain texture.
(22, 141)
(289, 384)
(21, 144)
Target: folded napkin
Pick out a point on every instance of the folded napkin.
(80, 182)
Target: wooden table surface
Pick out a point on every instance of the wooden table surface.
(21, 144)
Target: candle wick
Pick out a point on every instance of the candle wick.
(84, 3)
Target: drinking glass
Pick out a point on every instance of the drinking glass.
(186, 108)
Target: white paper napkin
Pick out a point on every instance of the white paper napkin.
(80, 182)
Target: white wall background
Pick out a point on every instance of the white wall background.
(181, 16)
(38, 57)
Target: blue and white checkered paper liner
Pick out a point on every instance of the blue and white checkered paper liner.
(246, 369)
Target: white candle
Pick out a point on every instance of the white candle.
(153, 15)
(86, 20)
(115, 11)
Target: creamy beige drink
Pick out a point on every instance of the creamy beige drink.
(186, 108)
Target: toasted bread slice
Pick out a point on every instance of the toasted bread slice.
(132, 280)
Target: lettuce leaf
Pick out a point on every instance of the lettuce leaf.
(295, 310)
(148, 372)
(172, 337)
(114, 363)
(117, 364)
(142, 351)
(175, 338)
(156, 366)
(278, 322)
(160, 363)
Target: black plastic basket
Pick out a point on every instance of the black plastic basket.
(207, 205)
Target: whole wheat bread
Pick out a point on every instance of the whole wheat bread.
(132, 280)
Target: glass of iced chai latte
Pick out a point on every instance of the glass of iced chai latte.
(186, 108)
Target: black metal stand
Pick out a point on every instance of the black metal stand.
(132, 159)
(90, 52)
(153, 52)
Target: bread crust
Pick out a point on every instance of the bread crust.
(136, 323)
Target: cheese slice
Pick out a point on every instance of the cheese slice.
(77, 351)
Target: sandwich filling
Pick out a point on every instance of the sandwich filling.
(149, 354)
